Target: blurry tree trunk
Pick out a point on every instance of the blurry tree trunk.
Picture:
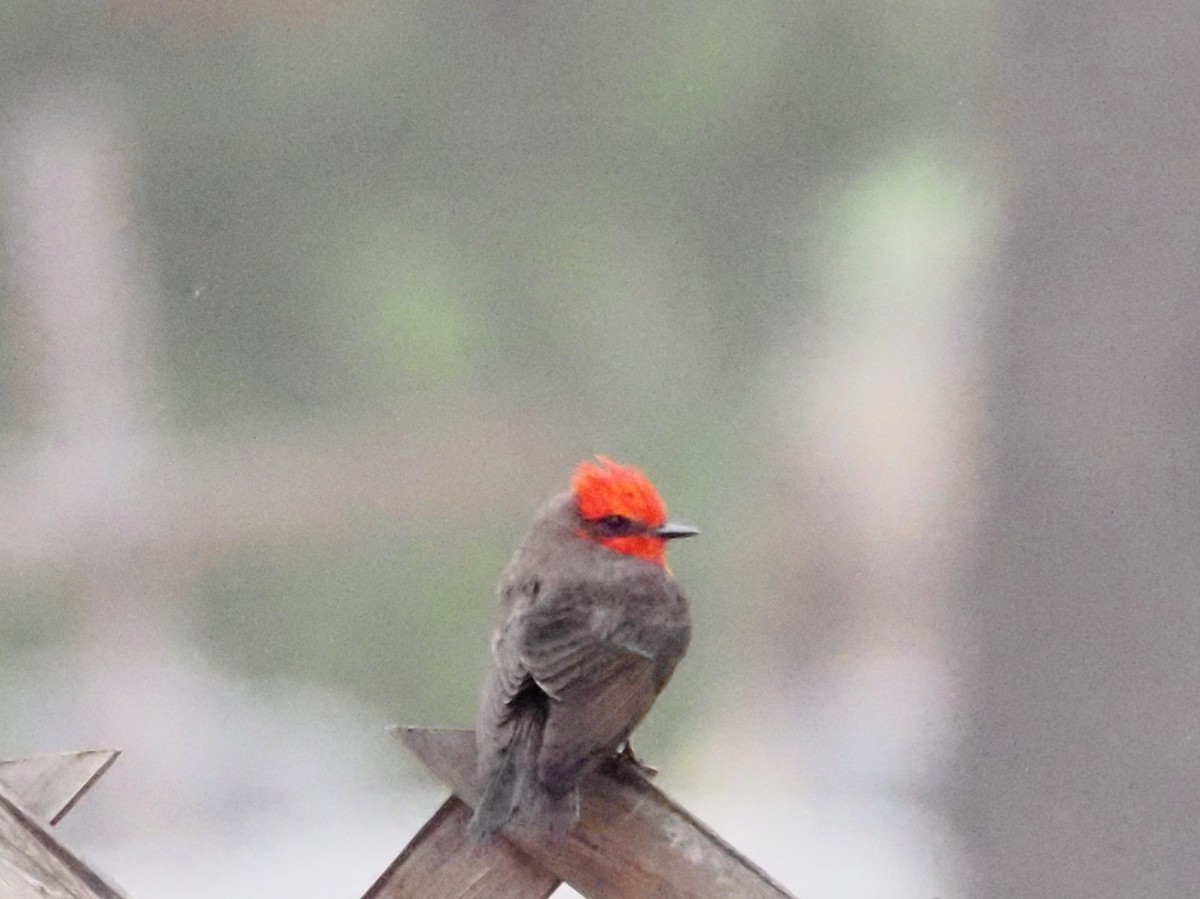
(1081, 775)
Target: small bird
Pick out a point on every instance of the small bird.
(591, 625)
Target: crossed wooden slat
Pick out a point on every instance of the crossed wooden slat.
(632, 841)
(35, 793)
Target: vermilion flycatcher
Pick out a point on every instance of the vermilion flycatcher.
(591, 626)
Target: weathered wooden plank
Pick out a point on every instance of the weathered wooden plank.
(47, 786)
(34, 865)
(632, 841)
(441, 860)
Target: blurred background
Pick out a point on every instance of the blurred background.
(306, 306)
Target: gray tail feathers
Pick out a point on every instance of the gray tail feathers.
(550, 815)
(514, 794)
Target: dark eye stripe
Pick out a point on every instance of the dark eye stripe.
(614, 525)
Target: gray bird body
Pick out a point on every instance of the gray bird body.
(586, 638)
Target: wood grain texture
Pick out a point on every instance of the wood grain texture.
(442, 861)
(34, 865)
(632, 841)
(47, 786)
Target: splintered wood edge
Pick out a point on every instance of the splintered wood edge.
(448, 754)
(44, 867)
(48, 786)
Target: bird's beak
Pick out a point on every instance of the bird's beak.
(670, 531)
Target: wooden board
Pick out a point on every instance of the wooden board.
(47, 786)
(632, 841)
(34, 793)
(441, 860)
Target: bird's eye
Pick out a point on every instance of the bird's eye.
(614, 524)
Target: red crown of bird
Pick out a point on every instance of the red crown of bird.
(605, 489)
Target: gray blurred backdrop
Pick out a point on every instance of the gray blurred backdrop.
(305, 306)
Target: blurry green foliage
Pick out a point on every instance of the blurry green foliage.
(705, 58)
(401, 619)
(600, 220)
(409, 305)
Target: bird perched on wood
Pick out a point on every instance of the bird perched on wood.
(591, 626)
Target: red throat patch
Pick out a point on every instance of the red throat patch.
(604, 487)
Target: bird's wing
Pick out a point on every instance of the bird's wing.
(595, 719)
(573, 632)
(569, 642)
(602, 656)
(560, 647)
(509, 675)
